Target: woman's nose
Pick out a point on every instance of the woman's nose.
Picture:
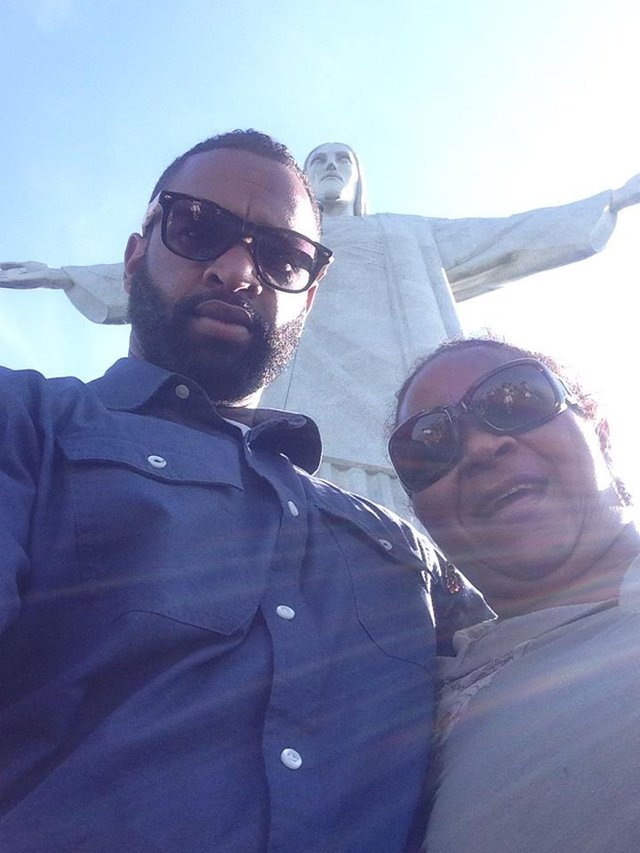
(481, 448)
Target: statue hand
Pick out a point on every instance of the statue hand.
(30, 274)
(626, 195)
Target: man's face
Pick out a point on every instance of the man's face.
(518, 513)
(213, 320)
(333, 173)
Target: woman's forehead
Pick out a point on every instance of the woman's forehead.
(446, 379)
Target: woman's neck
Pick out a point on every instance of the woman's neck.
(600, 581)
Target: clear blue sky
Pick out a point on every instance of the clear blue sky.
(456, 108)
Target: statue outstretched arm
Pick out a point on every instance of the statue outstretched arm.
(25, 275)
(96, 291)
(482, 254)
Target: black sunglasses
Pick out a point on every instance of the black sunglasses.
(511, 399)
(201, 230)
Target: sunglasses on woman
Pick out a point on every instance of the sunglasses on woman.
(511, 399)
(201, 230)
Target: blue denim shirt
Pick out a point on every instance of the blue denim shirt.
(204, 647)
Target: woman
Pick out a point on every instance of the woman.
(508, 466)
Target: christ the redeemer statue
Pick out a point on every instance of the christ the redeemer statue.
(387, 299)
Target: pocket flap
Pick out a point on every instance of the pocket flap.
(159, 458)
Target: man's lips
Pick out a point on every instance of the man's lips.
(221, 321)
(506, 494)
(223, 312)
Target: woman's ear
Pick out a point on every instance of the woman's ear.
(604, 437)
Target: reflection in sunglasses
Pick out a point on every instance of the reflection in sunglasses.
(510, 394)
(432, 434)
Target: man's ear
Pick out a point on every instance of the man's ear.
(133, 254)
(311, 294)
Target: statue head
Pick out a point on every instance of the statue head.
(337, 179)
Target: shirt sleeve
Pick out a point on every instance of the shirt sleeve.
(18, 465)
(457, 604)
(476, 252)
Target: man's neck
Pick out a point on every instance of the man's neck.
(242, 414)
(250, 402)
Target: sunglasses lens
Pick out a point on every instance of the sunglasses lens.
(424, 449)
(285, 260)
(199, 230)
(515, 399)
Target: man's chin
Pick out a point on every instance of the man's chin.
(229, 359)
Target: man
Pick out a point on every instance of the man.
(204, 647)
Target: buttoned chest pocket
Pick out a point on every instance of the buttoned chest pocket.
(390, 593)
(166, 529)
(393, 607)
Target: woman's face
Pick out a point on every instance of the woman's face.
(518, 514)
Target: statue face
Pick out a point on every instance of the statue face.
(333, 173)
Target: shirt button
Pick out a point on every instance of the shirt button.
(285, 612)
(182, 391)
(293, 509)
(157, 461)
(385, 544)
(291, 759)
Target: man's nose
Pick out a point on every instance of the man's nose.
(235, 270)
(331, 165)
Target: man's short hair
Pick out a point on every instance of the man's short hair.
(250, 140)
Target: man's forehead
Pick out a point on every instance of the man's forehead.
(252, 186)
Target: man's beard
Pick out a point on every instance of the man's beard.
(226, 373)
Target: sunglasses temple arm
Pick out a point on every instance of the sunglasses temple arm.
(150, 214)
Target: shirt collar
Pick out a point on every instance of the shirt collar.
(131, 383)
